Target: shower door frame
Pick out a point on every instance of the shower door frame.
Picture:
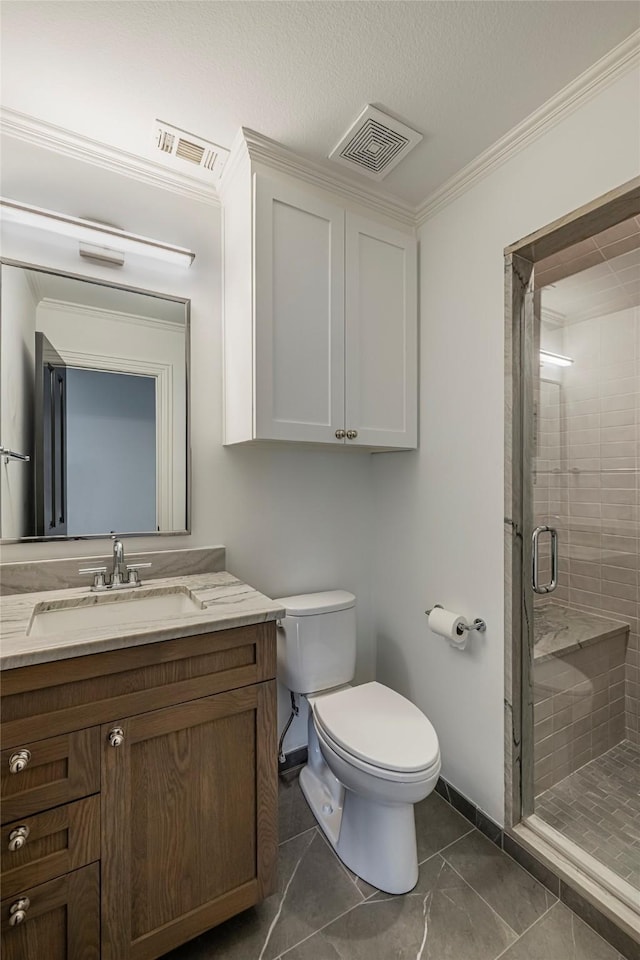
(522, 309)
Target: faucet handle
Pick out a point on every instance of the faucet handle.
(100, 574)
(134, 579)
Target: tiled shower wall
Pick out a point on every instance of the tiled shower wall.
(587, 474)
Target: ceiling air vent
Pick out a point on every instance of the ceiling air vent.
(375, 144)
(189, 153)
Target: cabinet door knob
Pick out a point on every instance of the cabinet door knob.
(116, 737)
(18, 838)
(352, 434)
(18, 911)
(19, 760)
(340, 434)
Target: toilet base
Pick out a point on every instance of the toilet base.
(376, 841)
(379, 843)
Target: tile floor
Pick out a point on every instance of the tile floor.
(598, 807)
(472, 902)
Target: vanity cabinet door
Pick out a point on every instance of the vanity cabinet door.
(189, 838)
(59, 920)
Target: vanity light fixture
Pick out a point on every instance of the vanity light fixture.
(555, 358)
(112, 243)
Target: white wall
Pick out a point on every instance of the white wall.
(440, 511)
(18, 324)
(293, 518)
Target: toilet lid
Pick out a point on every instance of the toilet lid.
(379, 726)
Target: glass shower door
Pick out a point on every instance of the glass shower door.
(585, 561)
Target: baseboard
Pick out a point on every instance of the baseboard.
(295, 758)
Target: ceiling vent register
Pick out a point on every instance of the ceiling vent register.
(189, 153)
(375, 144)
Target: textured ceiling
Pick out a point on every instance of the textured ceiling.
(462, 73)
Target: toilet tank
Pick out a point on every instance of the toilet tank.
(317, 641)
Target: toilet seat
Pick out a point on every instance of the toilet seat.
(380, 773)
(378, 731)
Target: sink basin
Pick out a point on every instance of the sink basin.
(111, 609)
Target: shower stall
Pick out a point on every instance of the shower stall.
(573, 542)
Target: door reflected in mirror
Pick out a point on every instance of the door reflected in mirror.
(94, 390)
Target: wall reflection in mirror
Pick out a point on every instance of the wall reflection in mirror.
(93, 389)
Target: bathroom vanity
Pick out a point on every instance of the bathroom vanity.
(139, 775)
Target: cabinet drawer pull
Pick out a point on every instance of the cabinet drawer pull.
(18, 838)
(19, 760)
(116, 737)
(352, 434)
(18, 911)
(340, 434)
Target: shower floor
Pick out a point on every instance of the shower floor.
(598, 807)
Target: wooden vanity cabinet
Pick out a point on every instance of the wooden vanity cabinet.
(151, 780)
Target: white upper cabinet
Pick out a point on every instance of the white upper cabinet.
(320, 318)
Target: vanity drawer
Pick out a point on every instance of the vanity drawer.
(55, 842)
(95, 689)
(56, 771)
(60, 919)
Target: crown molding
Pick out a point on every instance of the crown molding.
(605, 71)
(85, 311)
(553, 317)
(263, 150)
(28, 129)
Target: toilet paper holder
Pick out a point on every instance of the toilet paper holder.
(477, 624)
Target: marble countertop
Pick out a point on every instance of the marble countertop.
(228, 602)
(559, 629)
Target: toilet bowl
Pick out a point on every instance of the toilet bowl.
(372, 753)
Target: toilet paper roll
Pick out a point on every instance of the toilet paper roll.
(448, 624)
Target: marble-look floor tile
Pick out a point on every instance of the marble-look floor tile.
(365, 888)
(513, 893)
(441, 919)
(313, 890)
(294, 813)
(560, 935)
(437, 825)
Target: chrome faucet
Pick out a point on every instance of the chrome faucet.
(119, 570)
(122, 574)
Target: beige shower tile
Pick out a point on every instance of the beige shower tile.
(619, 370)
(618, 418)
(585, 510)
(625, 401)
(609, 449)
(590, 584)
(584, 569)
(621, 511)
(619, 495)
(624, 434)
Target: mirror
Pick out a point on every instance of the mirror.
(94, 391)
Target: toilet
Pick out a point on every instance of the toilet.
(372, 753)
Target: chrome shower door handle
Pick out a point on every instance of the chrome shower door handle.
(535, 559)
